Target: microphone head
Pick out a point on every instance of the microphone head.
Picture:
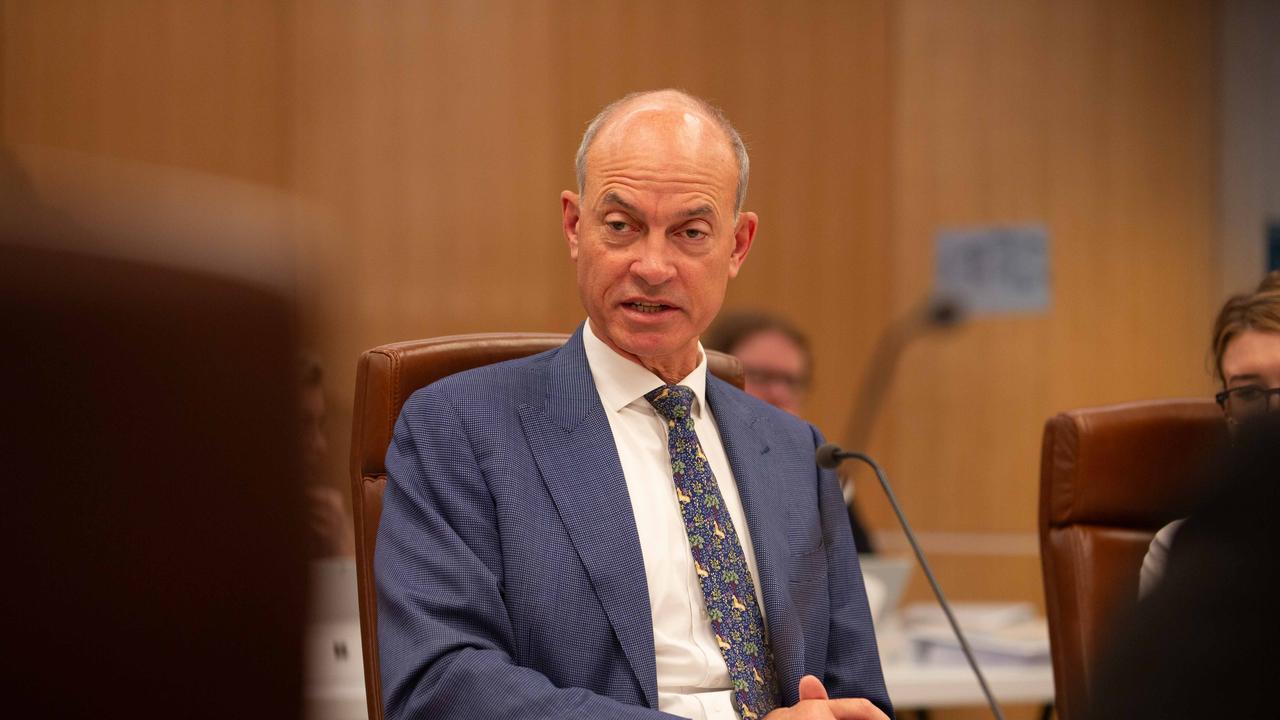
(945, 311)
(828, 456)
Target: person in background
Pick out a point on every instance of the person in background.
(331, 532)
(777, 365)
(1246, 353)
(1202, 643)
(776, 361)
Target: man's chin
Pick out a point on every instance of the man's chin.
(645, 343)
(661, 340)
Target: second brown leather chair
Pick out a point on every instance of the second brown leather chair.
(385, 378)
(1110, 477)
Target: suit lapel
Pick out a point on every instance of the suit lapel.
(575, 451)
(761, 486)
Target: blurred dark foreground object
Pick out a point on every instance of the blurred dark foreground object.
(155, 549)
(1204, 643)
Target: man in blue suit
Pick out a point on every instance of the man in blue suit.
(604, 530)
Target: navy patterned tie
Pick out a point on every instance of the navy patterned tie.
(727, 586)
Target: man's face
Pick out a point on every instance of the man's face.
(654, 234)
(775, 368)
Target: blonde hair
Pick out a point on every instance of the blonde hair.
(1258, 310)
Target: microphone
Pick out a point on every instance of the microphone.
(944, 311)
(828, 457)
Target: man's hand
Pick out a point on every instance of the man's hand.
(816, 705)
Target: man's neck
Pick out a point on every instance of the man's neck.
(671, 369)
(671, 374)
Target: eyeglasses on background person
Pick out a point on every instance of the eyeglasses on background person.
(791, 382)
(1248, 401)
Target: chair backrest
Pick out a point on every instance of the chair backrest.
(1110, 477)
(385, 378)
(154, 508)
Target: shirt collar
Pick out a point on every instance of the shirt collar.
(621, 381)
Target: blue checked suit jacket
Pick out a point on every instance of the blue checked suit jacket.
(510, 579)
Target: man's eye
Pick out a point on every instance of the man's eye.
(693, 233)
(617, 225)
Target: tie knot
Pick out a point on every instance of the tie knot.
(671, 401)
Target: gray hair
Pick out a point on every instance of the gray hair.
(713, 112)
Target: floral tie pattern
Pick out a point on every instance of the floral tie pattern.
(727, 585)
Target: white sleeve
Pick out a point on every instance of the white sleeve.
(1157, 555)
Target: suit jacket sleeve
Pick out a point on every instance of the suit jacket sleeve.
(446, 636)
(853, 658)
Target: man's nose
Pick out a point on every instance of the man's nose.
(653, 264)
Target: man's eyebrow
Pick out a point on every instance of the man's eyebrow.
(700, 211)
(613, 198)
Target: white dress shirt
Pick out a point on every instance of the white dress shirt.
(693, 679)
(1153, 563)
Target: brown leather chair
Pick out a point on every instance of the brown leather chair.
(1110, 477)
(154, 506)
(386, 377)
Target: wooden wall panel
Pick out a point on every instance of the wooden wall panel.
(423, 132)
(1095, 120)
(199, 85)
(1249, 159)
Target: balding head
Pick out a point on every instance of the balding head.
(656, 229)
(692, 114)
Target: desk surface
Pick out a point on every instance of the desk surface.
(916, 685)
(913, 686)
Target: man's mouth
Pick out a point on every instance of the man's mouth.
(646, 307)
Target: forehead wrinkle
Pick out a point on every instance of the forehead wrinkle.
(701, 210)
(696, 202)
(696, 182)
(638, 172)
(689, 174)
(644, 149)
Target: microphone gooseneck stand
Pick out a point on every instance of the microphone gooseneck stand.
(829, 456)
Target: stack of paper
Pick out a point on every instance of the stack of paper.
(998, 633)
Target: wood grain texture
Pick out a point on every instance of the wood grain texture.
(1095, 120)
(200, 85)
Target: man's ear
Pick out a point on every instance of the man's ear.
(744, 232)
(570, 213)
